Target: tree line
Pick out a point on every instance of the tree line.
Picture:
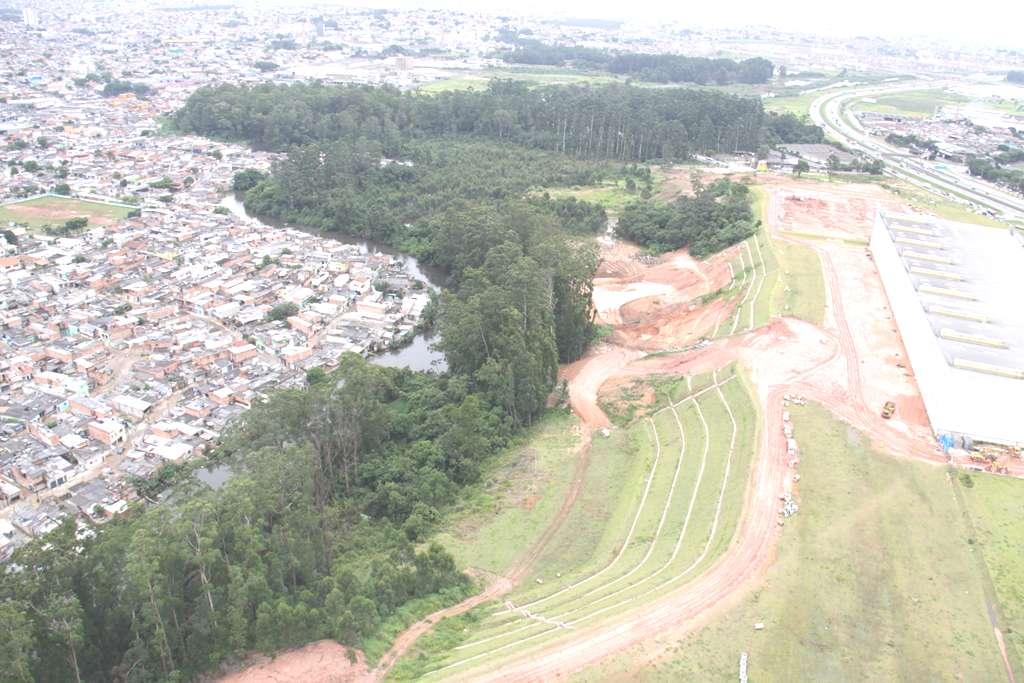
(615, 121)
(997, 169)
(714, 217)
(656, 68)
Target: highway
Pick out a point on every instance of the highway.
(830, 112)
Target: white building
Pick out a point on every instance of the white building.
(955, 291)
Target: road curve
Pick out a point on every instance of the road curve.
(829, 112)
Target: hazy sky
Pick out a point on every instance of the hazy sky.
(978, 21)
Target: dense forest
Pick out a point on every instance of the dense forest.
(616, 122)
(656, 68)
(714, 217)
(313, 536)
(782, 128)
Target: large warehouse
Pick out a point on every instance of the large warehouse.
(957, 293)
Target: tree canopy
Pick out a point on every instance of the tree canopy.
(618, 122)
(712, 218)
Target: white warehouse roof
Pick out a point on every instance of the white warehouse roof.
(955, 291)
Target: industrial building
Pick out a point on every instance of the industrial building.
(957, 294)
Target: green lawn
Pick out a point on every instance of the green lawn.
(55, 210)
(913, 103)
(876, 580)
(521, 493)
(800, 290)
(798, 104)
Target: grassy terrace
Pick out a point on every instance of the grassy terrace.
(55, 210)
(660, 503)
(876, 579)
(755, 275)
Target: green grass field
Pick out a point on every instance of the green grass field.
(611, 194)
(797, 104)
(876, 580)
(940, 206)
(520, 494)
(913, 103)
(660, 503)
(995, 506)
(54, 210)
(800, 290)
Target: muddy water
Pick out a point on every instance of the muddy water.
(420, 354)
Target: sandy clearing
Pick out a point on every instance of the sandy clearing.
(323, 661)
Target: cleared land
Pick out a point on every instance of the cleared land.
(54, 210)
(799, 104)
(661, 502)
(611, 194)
(875, 580)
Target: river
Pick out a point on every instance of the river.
(418, 354)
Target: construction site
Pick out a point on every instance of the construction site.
(686, 475)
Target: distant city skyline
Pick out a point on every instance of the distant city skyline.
(987, 22)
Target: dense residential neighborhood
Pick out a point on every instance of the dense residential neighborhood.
(132, 342)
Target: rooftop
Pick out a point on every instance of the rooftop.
(968, 282)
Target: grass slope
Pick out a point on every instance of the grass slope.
(995, 506)
(875, 581)
(520, 495)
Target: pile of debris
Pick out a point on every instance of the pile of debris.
(794, 399)
(789, 506)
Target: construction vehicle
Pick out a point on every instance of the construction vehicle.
(888, 409)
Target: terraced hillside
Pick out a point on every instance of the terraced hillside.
(678, 507)
(755, 272)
